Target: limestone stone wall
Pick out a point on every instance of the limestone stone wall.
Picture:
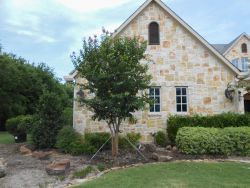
(236, 52)
(179, 60)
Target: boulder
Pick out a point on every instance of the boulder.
(169, 147)
(2, 168)
(25, 150)
(155, 156)
(164, 158)
(174, 148)
(58, 167)
(150, 147)
(41, 155)
(161, 158)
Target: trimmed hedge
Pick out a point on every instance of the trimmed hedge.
(227, 141)
(217, 121)
(20, 124)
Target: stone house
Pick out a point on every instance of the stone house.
(190, 75)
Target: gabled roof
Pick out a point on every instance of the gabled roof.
(184, 24)
(213, 49)
(225, 48)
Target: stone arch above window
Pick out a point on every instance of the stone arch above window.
(153, 33)
(244, 48)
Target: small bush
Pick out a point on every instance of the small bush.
(96, 140)
(70, 141)
(227, 141)
(161, 138)
(20, 125)
(174, 123)
(132, 137)
(83, 173)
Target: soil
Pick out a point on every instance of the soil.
(29, 172)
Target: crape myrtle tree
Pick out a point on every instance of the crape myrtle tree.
(115, 78)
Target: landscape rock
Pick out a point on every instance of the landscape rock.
(164, 158)
(161, 158)
(150, 147)
(2, 168)
(174, 149)
(25, 150)
(155, 156)
(160, 150)
(41, 155)
(58, 168)
(169, 147)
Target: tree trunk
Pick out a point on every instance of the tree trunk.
(115, 140)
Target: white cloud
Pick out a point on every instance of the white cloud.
(38, 37)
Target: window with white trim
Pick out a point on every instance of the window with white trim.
(244, 61)
(181, 99)
(154, 94)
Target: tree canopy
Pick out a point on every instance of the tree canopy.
(22, 84)
(116, 78)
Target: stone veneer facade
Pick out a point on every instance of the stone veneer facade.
(179, 60)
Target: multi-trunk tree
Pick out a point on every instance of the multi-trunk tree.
(116, 79)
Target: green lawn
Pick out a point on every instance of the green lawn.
(6, 138)
(177, 175)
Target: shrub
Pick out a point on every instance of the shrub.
(132, 137)
(96, 140)
(216, 121)
(20, 125)
(227, 141)
(161, 138)
(69, 141)
(49, 122)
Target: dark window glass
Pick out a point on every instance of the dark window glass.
(178, 99)
(178, 91)
(184, 108)
(157, 108)
(244, 48)
(181, 99)
(178, 108)
(154, 34)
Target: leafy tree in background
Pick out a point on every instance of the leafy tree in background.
(22, 84)
(115, 78)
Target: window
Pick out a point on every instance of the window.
(181, 99)
(154, 93)
(244, 61)
(244, 48)
(154, 35)
(235, 62)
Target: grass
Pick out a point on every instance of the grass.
(6, 138)
(177, 175)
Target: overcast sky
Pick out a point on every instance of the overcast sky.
(50, 30)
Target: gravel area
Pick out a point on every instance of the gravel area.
(29, 172)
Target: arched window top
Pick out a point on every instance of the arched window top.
(244, 48)
(153, 33)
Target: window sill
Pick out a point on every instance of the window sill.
(154, 114)
(181, 113)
